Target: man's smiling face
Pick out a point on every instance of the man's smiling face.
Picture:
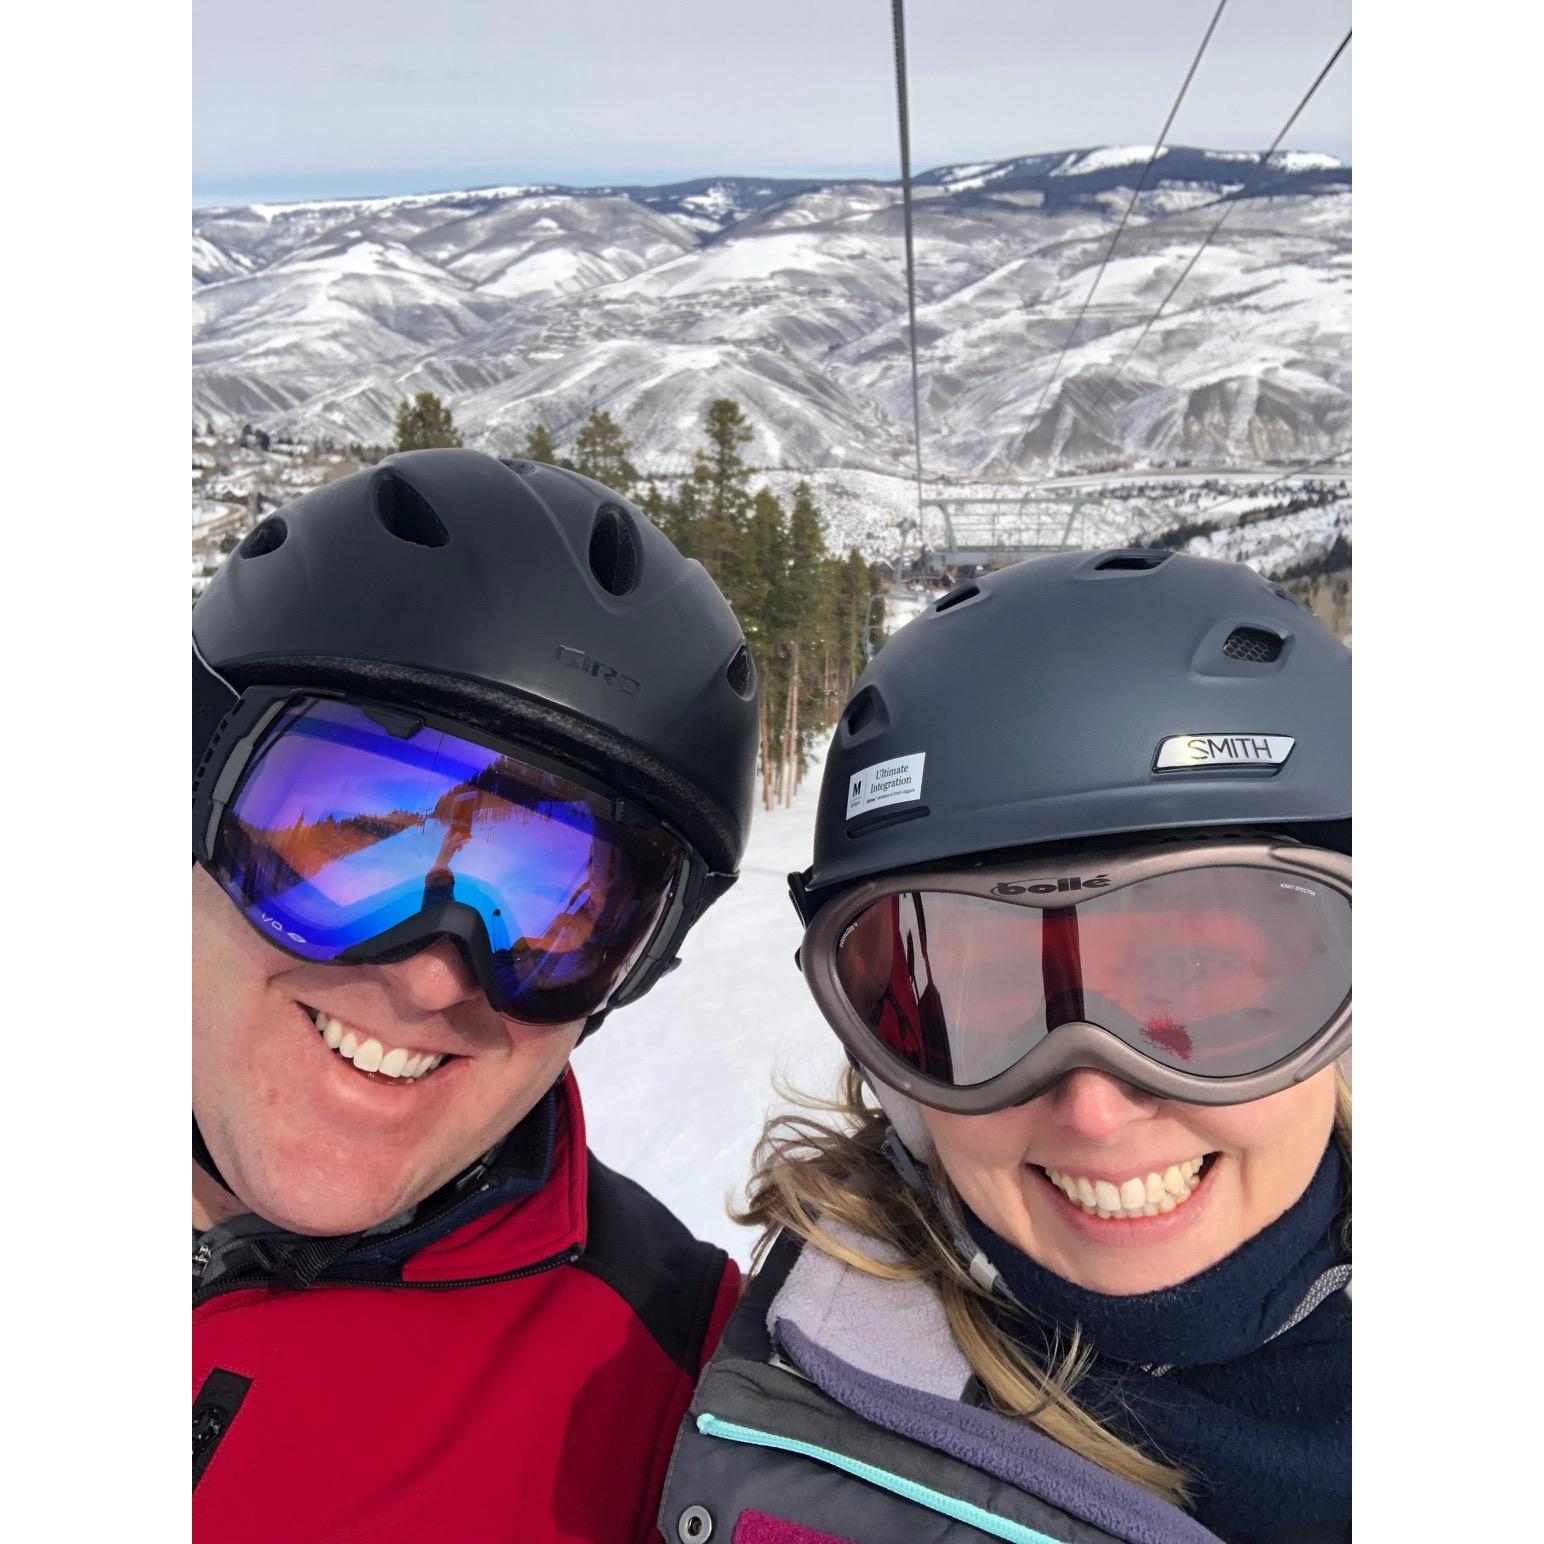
(305, 1137)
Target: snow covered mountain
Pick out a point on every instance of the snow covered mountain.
(527, 304)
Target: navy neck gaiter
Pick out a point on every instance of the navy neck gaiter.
(1198, 1374)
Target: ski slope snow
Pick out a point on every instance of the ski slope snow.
(677, 1086)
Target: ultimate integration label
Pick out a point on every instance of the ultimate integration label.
(898, 781)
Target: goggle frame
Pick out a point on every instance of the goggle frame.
(1080, 1043)
(243, 729)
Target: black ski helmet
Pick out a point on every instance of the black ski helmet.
(1039, 698)
(521, 599)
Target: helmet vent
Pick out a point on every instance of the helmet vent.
(406, 513)
(1138, 560)
(1253, 645)
(865, 716)
(958, 596)
(614, 551)
(741, 673)
(265, 538)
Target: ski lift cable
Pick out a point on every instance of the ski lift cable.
(1227, 210)
(1109, 252)
(898, 25)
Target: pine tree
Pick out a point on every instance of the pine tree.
(855, 590)
(539, 446)
(721, 483)
(601, 451)
(806, 550)
(679, 517)
(721, 468)
(655, 506)
(763, 599)
(808, 632)
(763, 613)
(425, 424)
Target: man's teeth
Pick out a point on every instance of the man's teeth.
(369, 1055)
(1140, 1196)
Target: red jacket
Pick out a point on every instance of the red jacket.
(448, 1405)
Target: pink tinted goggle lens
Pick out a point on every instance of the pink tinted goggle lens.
(1217, 972)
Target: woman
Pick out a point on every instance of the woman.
(1080, 915)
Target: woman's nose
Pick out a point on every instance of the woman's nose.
(1096, 1106)
(436, 978)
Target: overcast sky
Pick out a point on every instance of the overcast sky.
(316, 98)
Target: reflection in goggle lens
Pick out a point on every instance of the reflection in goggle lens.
(1219, 971)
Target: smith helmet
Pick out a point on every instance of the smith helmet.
(1083, 696)
(1080, 698)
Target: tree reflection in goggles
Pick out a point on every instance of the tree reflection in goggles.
(1216, 971)
(342, 830)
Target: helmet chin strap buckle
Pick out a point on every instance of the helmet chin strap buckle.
(904, 1164)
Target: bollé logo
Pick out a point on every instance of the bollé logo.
(1052, 886)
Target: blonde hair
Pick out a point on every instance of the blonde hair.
(807, 1171)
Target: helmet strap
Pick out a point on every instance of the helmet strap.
(205, 1161)
(909, 1146)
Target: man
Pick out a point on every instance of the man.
(473, 750)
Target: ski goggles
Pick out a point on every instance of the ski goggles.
(1212, 972)
(350, 832)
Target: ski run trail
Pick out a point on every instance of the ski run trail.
(677, 1086)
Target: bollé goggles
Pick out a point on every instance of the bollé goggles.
(1208, 971)
(352, 832)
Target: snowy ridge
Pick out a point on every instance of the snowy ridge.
(524, 304)
(1098, 160)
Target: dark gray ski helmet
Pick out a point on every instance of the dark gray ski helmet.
(522, 599)
(1055, 701)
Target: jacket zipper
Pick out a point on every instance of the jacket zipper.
(214, 1409)
(220, 1398)
(567, 1257)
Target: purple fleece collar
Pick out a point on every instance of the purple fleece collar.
(1008, 1449)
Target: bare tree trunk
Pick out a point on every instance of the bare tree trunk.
(791, 736)
(766, 752)
(782, 750)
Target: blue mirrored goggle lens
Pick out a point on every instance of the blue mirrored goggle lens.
(341, 831)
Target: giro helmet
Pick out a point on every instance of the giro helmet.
(521, 600)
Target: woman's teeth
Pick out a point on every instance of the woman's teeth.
(369, 1055)
(1140, 1196)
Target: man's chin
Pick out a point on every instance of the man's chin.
(328, 1212)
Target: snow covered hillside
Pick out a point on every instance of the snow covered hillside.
(677, 1086)
(519, 305)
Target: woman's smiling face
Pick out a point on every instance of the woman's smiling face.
(1163, 1190)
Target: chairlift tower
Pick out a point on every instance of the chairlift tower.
(991, 533)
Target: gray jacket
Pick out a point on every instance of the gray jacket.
(837, 1408)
